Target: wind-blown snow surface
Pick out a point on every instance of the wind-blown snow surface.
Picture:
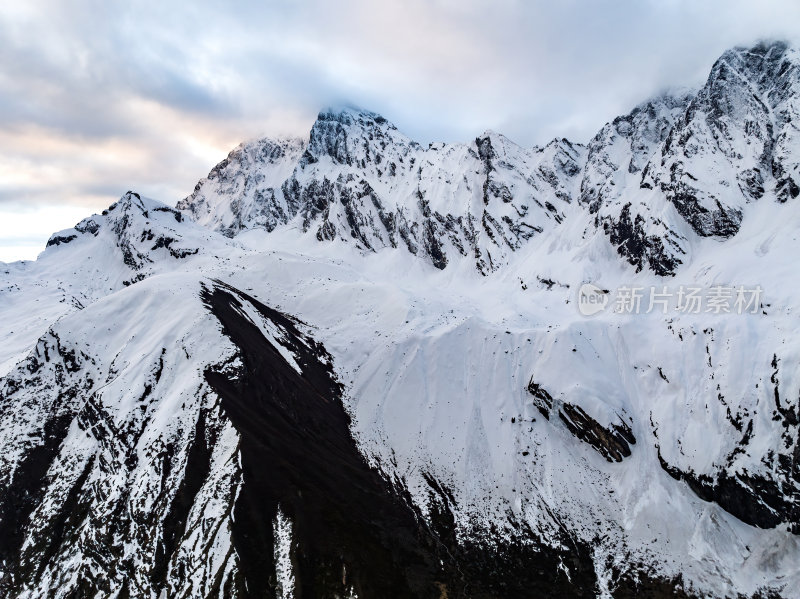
(166, 429)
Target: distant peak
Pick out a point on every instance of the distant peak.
(492, 144)
(340, 133)
(773, 48)
(133, 204)
(561, 142)
(495, 137)
(128, 199)
(131, 199)
(350, 115)
(762, 60)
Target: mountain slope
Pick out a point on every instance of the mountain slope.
(135, 238)
(365, 368)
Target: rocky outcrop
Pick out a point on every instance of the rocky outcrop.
(245, 189)
(613, 441)
(360, 181)
(730, 145)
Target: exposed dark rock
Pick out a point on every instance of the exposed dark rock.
(635, 584)
(639, 248)
(59, 239)
(612, 443)
(720, 222)
(89, 225)
(297, 453)
(18, 501)
(541, 398)
(196, 471)
(752, 498)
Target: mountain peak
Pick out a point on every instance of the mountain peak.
(498, 140)
(761, 65)
(343, 134)
(138, 227)
(352, 115)
(774, 48)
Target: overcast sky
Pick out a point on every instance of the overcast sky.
(98, 97)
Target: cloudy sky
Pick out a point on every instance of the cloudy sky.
(98, 97)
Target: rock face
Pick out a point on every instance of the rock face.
(638, 224)
(387, 388)
(244, 190)
(361, 181)
(681, 165)
(613, 442)
(732, 143)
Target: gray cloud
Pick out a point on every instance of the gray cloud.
(97, 97)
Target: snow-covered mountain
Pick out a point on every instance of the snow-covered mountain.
(359, 180)
(355, 366)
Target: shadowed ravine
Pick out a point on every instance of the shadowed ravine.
(297, 452)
